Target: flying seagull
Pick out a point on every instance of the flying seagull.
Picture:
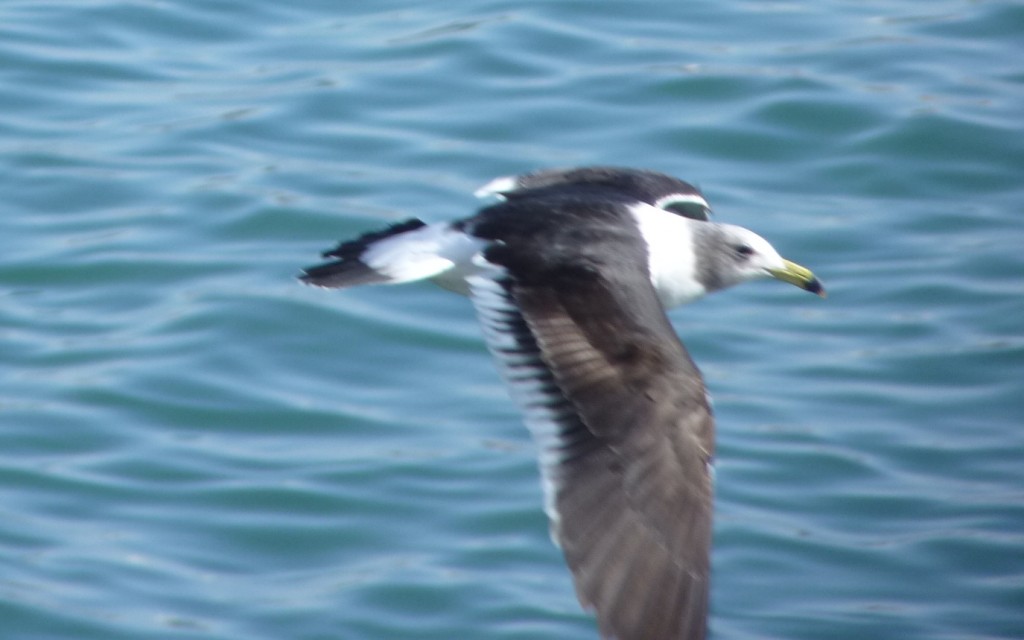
(570, 272)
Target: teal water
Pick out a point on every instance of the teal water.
(194, 446)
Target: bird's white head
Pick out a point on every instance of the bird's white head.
(729, 255)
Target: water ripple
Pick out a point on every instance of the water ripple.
(192, 443)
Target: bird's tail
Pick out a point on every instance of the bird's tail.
(403, 252)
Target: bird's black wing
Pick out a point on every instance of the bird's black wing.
(621, 418)
(652, 187)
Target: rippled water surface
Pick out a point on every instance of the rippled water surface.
(192, 445)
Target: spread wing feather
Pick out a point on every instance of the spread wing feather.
(625, 432)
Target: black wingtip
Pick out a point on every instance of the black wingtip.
(340, 274)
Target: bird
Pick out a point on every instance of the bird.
(571, 272)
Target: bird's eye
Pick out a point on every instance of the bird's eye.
(744, 250)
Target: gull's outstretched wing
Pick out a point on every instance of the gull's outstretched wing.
(625, 433)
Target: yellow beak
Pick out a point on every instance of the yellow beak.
(799, 276)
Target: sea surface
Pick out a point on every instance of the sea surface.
(194, 446)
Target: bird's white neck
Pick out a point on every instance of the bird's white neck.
(671, 257)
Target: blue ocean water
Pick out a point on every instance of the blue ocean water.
(192, 445)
